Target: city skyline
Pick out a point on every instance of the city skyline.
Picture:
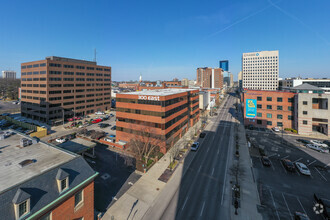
(163, 42)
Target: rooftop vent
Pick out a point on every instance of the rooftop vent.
(25, 142)
(27, 162)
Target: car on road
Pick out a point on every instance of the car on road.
(319, 143)
(104, 125)
(302, 168)
(61, 140)
(276, 129)
(265, 161)
(194, 146)
(318, 148)
(300, 216)
(288, 165)
(202, 135)
(114, 127)
(304, 141)
(99, 113)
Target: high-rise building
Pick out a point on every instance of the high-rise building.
(7, 74)
(185, 82)
(224, 65)
(58, 87)
(260, 70)
(240, 79)
(210, 77)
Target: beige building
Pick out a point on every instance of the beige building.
(7, 74)
(208, 77)
(260, 70)
(185, 82)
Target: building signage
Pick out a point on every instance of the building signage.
(251, 108)
(151, 98)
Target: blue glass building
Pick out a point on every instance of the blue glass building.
(224, 65)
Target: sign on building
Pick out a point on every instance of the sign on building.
(251, 108)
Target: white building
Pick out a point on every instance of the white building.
(292, 82)
(7, 74)
(260, 70)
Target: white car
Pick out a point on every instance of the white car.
(195, 146)
(61, 140)
(303, 168)
(276, 129)
(317, 148)
(99, 113)
(319, 143)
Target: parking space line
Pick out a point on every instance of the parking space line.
(184, 204)
(301, 205)
(271, 194)
(261, 162)
(272, 155)
(285, 157)
(311, 163)
(287, 205)
(321, 174)
(283, 167)
(297, 160)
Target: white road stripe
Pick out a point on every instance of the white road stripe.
(202, 209)
(184, 204)
(286, 205)
(297, 160)
(311, 163)
(200, 168)
(321, 174)
(212, 171)
(271, 194)
(301, 205)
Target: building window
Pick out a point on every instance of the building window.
(279, 107)
(290, 99)
(289, 117)
(290, 108)
(259, 106)
(259, 122)
(78, 198)
(269, 99)
(269, 107)
(64, 184)
(259, 114)
(279, 116)
(269, 115)
(269, 123)
(305, 122)
(22, 209)
(279, 124)
(259, 98)
(305, 102)
(304, 112)
(279, 99)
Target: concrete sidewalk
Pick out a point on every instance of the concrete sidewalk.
(249, 192)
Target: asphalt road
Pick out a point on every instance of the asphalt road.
(201, 192)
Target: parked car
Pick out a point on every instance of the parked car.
(97, 120)
(325, 202)
(302, 168)
(111, 115)
(108, 139)
(114, 127)
(327, 143)
(276, 129)
(318, 148)
(319, 143)
(304, 141)
(265, 161)
(61, 140)
(99, 113)
(202, 135)
(251, 127)
(300, 216)
(194, 146)
(103, 125)
(288, 165)
(112, 135)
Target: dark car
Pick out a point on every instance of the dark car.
(202, 135)
(114, 128)
(103, 125)
(251, 127)
(304, 141)
(327, 143)
(288, 165)
(265, 161)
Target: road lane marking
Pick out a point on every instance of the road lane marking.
(202, 209)
(321, 174)
(285, 157)
(283, 166)
(212, 171)
(286, 205)
(208, 149)
(218, 151)
(311, 163)
(301, 205)
(297, 160)
(199, 168)
(271, 194)
(184, 204)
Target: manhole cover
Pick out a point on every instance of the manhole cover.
(105, 176)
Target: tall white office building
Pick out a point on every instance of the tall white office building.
(260, 70)
(9, 74)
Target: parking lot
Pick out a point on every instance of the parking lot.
(282, 193)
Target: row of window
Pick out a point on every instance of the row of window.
(270, 107)
(269, 99)
(34, 65)
(152, 102)
(33, 79)
(34, 73)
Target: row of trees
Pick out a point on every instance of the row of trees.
(9, 88)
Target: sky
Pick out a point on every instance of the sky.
(167, 39)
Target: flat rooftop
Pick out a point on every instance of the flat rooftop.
(77, 145)
(159, 92)
(64, 59)
(45, 157)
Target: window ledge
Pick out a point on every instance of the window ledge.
(78, 206)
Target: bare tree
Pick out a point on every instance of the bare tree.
(128, 160)
(143, 143)
(237, 171)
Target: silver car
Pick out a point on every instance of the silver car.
(303, 169)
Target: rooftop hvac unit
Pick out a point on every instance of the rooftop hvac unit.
(25, 142)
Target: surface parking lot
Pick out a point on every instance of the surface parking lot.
(282, 193)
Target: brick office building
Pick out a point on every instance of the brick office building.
(57, 87)
(274, 108)
(210, 77)
(166, 114)
(40, 181)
